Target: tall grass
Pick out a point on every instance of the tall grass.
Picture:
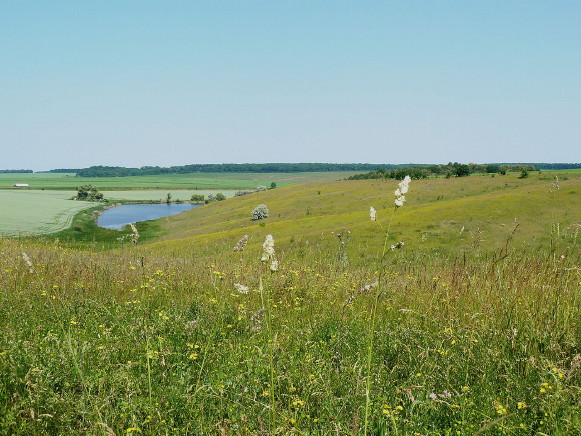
(157, 339)
(97, 341)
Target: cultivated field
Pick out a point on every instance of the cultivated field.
(29, 212)
(469, 327)
(193, 181)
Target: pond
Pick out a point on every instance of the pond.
(118, 217)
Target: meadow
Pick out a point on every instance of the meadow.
(469, 327)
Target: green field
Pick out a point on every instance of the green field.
(193, 181)
(37, 212)
(470, 328)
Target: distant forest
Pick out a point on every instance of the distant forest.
(421, 170)
(104, 171)
(14, 171)
(457, 170)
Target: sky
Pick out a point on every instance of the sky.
(170, 82)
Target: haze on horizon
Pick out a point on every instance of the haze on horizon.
(174, 83)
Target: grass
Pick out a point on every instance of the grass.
(192, 181)
(32, 212)
(475, 332)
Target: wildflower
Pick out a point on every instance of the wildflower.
(241, 288)
(26, 260)
(135, 235)
(256, 320)
(368, 287)
(500, 409)
(268, 253)
(555, 185)
(267, 248)
(241, 243)
(401, 191)
(397, 246)
(372, 213)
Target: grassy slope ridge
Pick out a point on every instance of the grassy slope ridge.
(439, 213)
(468, 335)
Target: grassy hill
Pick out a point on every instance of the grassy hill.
(472, 327)
(440, 214)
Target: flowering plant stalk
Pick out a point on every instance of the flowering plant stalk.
(399, 201)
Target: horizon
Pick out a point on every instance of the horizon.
(410, 164)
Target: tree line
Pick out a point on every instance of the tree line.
(14, 171)
(455, 169)
(110, 171)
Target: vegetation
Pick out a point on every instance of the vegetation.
(190, 181)
(260, 212)
(15, 171)
(105, 171)
(451, 169)
(32, 212)
(470, 327)
(89, 193)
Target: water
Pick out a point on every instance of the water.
(118, 217)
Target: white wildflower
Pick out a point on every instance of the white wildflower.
(401, 191)
(368, 287)
(268, 253)
(397, 246)
(26, 260)
(241, 288)
(135, 235)
(372, 213)
(405, 184)
(267, 248)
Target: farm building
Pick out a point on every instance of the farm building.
(21, 185)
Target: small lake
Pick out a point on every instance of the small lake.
(118, 217)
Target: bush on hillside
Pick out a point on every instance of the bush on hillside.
(260, 212)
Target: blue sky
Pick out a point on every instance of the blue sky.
(136, 83)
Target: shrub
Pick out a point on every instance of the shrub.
(220, 196)
(88, 193)
(197, 197)
(260, 212)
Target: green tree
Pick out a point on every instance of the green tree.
(88, 193)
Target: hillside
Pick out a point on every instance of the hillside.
(440, 214)
(470, 328)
